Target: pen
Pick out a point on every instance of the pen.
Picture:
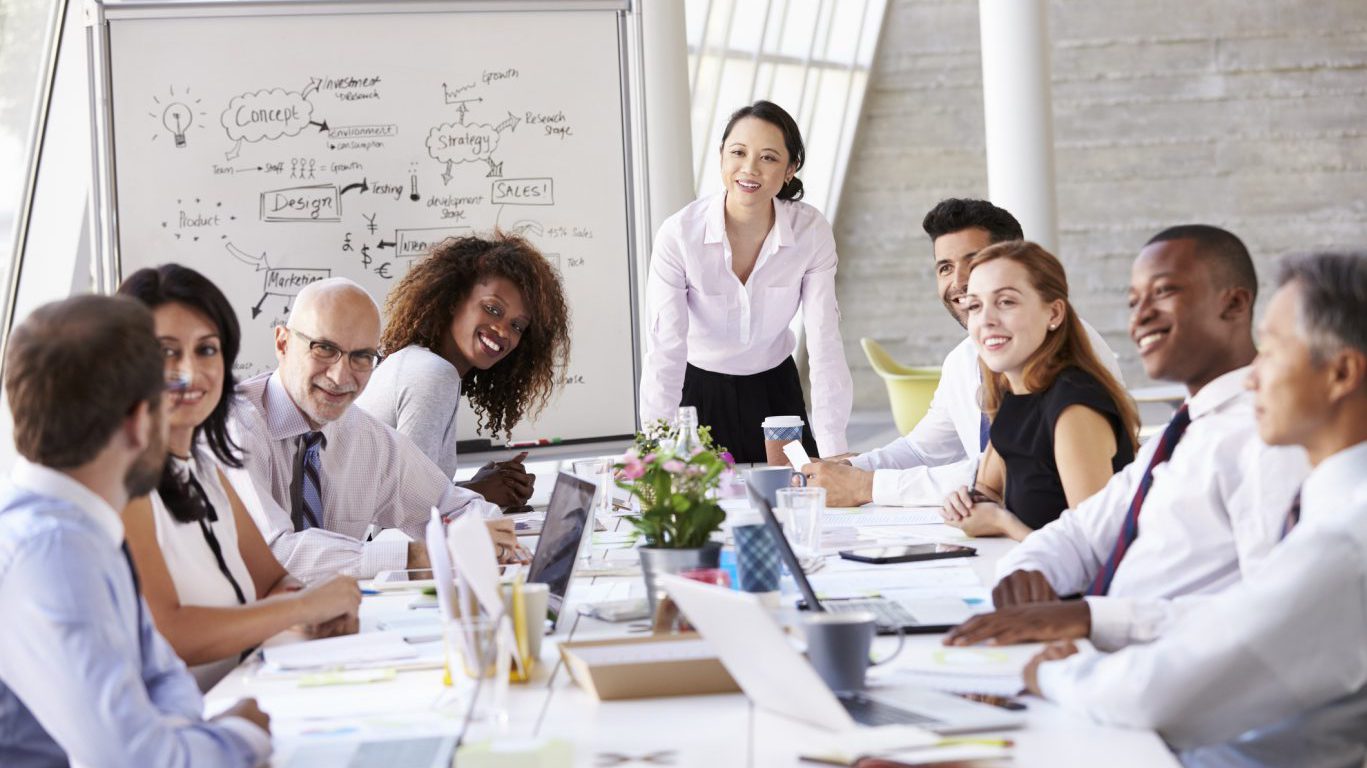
(370, 592)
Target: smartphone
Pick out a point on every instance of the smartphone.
(906, 554)
(402, 580)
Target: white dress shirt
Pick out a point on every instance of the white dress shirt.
(699, 311)
(1274, 670)
(939, 454)
(371, 475)
(1214, 511)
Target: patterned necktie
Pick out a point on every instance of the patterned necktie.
(308, 508)
(1130, 530)
(1293, 515)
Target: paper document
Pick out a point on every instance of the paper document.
(880, 580)
(993, 670)
(797, 455)
(367, 648)
(856, 517)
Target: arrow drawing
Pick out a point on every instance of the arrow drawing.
(235, 151)
(312, 86)
(256, 310)
(386, 244)
(495, 169)
(361, 186)
(510, 123)
(246, 258)
(322, 127)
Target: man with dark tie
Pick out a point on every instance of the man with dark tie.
(326, 473)
(85, 678)
(1200, 506)
(1272, 672)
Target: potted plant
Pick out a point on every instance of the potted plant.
(675, 486)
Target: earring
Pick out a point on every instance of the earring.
(1052, 327)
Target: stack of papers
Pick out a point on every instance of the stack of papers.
(993, 670)
(363, 651)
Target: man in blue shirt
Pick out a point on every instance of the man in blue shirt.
(84, 676)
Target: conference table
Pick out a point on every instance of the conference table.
(707, 731)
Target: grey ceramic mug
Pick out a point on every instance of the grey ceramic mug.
(838, 647)
(767, 480)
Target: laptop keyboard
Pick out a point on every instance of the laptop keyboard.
(866, 711)
(887, 613)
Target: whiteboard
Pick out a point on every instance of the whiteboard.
(274, 144)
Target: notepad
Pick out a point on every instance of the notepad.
(367, 649)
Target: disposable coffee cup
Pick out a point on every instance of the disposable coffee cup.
(778, 432)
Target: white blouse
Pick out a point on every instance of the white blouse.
(699, 312)
(193, 567)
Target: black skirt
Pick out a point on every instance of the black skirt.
(734, 406)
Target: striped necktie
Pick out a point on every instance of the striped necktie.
(308, 508)
(1130, 531)
(1293, 515)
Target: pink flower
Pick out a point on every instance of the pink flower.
(674, 467)
(728, 458)
(649, 459)
(633, 469)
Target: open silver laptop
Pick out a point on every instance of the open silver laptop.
(753, 648)
(568, 517)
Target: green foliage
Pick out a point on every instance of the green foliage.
(677, 511)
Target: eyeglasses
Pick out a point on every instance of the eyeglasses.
(360, 360)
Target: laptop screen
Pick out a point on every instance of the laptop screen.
(567, 517)
(784, 550)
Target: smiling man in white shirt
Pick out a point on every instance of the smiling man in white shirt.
(939, 454)
(1272, 672)
(1199, 506)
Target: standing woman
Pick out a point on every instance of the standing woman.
(214, 588)
(727, 275)
(482, 316)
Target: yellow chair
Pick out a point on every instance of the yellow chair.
(909, 389)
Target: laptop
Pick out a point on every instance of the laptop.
(892, 616)
(562, 535)
(753, 648)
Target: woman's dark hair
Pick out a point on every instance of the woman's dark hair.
(775, 115)
(421, 306)
(172, 283)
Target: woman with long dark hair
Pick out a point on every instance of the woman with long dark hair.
(214, 588)
(728, 275)
(1061, 423)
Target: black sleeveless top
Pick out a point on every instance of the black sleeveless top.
(1023, 434)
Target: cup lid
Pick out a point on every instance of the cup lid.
(783, 421)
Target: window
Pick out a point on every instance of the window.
(810, 57)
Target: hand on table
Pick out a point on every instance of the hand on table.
(327, 600)
(346, 624)
(977, 517)
(1051, 652)
(1025, 624)
(1020, 587)
(845, 486)
(249, 711)
(506, 548)
(505, 483)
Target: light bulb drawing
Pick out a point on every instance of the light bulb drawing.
(177, 119)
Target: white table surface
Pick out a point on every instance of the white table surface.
(703, 731)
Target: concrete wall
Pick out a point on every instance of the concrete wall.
(1248, 114)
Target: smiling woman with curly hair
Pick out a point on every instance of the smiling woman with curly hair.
(483, 316)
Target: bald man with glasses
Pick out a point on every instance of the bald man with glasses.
(327, 474)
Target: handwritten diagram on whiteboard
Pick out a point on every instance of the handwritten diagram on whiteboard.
(270, 152)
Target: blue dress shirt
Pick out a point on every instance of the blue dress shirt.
(84, 676)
